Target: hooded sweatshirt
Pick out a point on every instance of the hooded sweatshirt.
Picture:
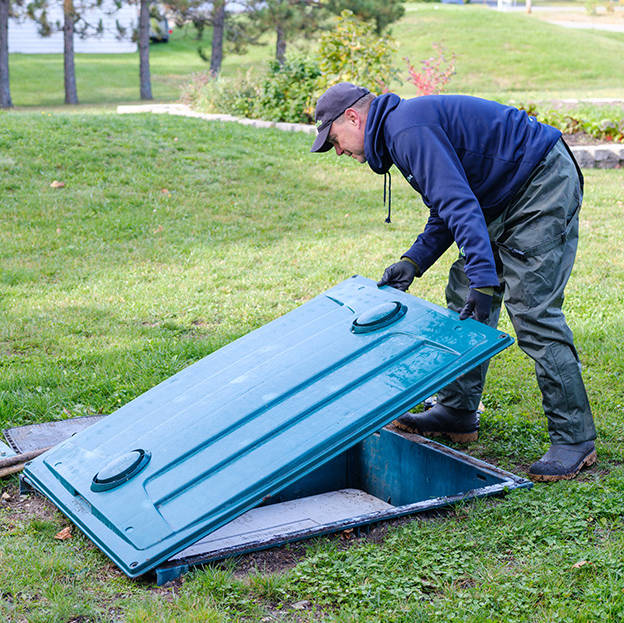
(467, 157)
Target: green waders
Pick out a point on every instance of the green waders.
(534, 242)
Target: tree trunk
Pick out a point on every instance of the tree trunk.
(199, 27)
(379, 26)
(216, 56)
(71, 93)
(280, 45)
(5, 88)
(144, 67)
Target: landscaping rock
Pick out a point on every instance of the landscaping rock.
(599, 156)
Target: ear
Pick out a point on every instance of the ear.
(353, 117)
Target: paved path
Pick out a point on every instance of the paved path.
(602, 21)
(606, 156)
(587, 25)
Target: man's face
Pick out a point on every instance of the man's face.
(347, 135)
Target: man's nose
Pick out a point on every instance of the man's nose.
(339, 151)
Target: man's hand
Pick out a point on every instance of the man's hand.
(400, 275)
(478, 306)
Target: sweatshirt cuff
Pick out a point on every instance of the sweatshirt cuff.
(411, 261)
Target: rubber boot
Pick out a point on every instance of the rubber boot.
(563, 461)
(458, 425)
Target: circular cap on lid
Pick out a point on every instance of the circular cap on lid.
(378, 317)
(120, 470)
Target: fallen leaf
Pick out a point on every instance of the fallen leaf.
(164, 191)
(581, 563)
(300, 605)
(159, 229)
(57, 184)
(64, 534)
(5, 496)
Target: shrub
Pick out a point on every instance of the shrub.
(435, 73)
(287, 90)
(238, 96)
(600, 122)
(352, 52)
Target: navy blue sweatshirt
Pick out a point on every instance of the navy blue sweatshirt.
(467, 157)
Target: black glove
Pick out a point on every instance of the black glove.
(478, 306)
(399, 275)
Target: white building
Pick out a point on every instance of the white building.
(24, 38)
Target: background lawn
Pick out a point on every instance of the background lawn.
(502, 55)
(130, 273)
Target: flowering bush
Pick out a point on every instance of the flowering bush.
(435, 73)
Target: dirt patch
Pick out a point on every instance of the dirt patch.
(268, 561)
(18, 507)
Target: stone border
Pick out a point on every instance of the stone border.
(184, 111)
(605, 156)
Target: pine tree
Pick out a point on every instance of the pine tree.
(288, 19)
(381, 12)
(201, 14)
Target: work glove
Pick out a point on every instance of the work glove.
(478, 306)
(400, 275)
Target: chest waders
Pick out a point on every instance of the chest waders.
(534, 242)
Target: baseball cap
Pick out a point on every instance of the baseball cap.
(330, 106)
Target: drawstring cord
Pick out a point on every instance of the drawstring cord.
(389, 195)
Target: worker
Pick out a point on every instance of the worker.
(507, 190)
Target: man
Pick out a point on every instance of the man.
(507, 191)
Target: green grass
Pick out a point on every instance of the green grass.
(500, 55)
(106, 80)
(110, 285)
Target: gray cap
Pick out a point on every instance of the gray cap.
(330, 106)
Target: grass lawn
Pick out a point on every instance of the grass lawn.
(173, 237)
(502, 55)
(510, 54)
(106, 80)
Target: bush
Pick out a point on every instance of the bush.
(434, 74)
(603, 123)
(287, 91)
(284, 93)
(238, 96)
(352, 52)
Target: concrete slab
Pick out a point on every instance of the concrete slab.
(285, 519)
